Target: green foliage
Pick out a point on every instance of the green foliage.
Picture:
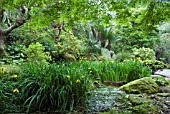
(126, 71)
(27, 35)
(93, 47)
(164, 47)
(150, 16)
(14, 54)
(106, 32)
(152, 13)
(143, 13)
(129, 38)
(147, 56)
(69, 48)
(62, 86)
(161, 79)
(23, 37)
(85, 33)
(2, 71)
(155, 64)
(8, 70)
(123, 56)
(168, 65)
(143, 53)
(9, 98)
(35, 53)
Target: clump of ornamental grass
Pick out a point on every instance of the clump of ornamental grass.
(62, 86)
(126, 71)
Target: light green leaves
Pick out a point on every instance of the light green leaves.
(73, 11)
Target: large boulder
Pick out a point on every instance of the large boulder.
(143, 85)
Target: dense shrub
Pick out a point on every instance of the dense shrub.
(35, 53)
(53, 87)
(144, 53)
(123, 56)
(147, 56)
(26, 35)
(68, 48)
(129, 38)
(22, 37)
(163, 49)
(155, 64)
(14, 54)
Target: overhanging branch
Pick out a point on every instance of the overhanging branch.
(19, 21)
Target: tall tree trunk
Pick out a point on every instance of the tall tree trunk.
(1, 34)
(1, 44)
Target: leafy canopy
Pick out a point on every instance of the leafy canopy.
(149, 12)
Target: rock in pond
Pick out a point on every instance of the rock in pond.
(143, 85)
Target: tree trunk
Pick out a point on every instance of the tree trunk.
(19, 22)
(103, 43)
(109, 46)
(58, 28)
(1, 44)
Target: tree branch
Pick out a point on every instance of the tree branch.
(19, 21)
(1, 15)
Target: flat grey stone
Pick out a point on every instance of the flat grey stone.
(155, 76)
(164, 72)
(168, 79)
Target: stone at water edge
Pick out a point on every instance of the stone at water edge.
(143, 85)
(165, 73)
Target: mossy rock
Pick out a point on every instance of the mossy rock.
(145, 109)
(142, 105)
(163, 94)
(138, 100)
(160, 80)
(143, 85)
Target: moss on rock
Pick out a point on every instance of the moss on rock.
(143, 85)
